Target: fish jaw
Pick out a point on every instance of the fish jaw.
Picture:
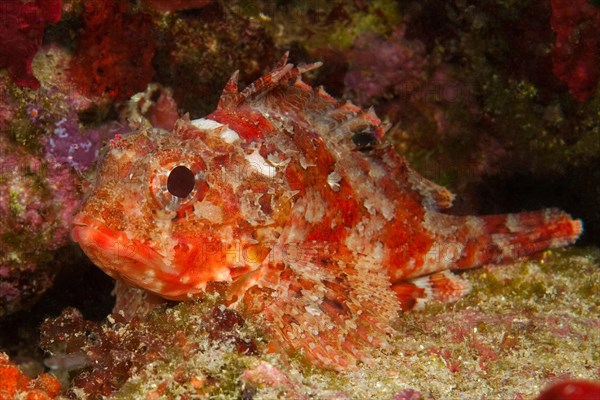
(129, 260)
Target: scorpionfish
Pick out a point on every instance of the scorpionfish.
(292, 204)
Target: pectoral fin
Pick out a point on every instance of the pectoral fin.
(332, 313)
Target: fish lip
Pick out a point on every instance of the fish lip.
(116, 254)
(80, 220)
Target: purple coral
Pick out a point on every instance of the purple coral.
(68, 144)
(21, 31)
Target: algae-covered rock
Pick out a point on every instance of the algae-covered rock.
(37, 200)
(523, 326)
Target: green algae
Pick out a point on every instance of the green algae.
(14, 198)
(21, 129)
(381, 16)
(321, 24)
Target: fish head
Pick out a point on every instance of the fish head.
(172, 211)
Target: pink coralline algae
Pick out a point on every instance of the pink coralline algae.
(576, 51)
(381, 67)
(114, 55)
(21, 31)
(408, 394)
(37, 200)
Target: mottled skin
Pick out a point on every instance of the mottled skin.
(291, 203)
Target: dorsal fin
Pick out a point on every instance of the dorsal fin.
(282, 91)
(281, 74)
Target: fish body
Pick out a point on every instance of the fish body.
(289, 201)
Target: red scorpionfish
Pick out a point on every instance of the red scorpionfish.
(290, 201)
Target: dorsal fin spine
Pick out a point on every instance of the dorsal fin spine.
(282, 73)
(230, 91)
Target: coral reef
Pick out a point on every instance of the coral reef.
(21, 30)
(103, 62)
(45, 149)
(483, 114)
(498, 93)
(198, 53)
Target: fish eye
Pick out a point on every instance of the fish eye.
(181, 181)
(175, 185)
(365, 139)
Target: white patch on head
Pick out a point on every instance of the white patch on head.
(356, 240)
(303, 163)
(208, 211)
(227, 134)
(388, 210)
(361, 239)
(370, 206)
(206, 124)
(276, 160)
(376, 171)
(260, 165)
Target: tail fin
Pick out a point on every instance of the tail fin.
(502, 238)
(469, 242)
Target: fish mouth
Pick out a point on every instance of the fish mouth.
(119, 256)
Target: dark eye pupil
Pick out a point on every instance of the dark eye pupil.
(181, 181)
(365, 139)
